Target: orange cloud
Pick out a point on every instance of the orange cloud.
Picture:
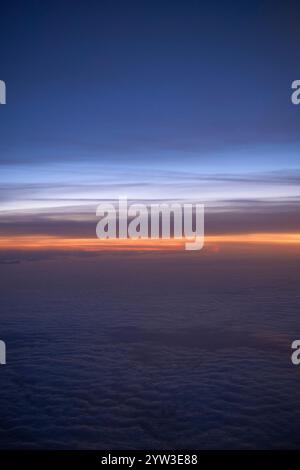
(214, 242)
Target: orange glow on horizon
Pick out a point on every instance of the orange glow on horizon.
(49, 242)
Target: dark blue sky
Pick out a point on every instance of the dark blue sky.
(95, 88)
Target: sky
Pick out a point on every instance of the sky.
(123, 344)
(149, 100)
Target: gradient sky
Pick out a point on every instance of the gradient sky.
(149, 100)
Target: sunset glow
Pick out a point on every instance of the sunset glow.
(45, 242)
